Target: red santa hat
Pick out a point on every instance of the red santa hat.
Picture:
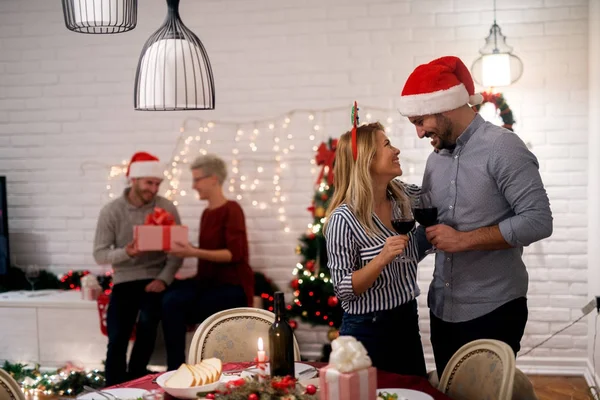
(145, 165)
(441, 85)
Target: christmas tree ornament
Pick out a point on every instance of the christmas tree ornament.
(332, 301)
(333, 334)
(295, 284)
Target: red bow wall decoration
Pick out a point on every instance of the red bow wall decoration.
(325, 158)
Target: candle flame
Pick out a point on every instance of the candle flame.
(260, 344)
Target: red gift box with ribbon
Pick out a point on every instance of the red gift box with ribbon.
(159, 232)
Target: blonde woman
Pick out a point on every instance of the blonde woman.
(373, 268)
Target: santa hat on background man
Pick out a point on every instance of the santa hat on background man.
(145, 165)
(442, 85)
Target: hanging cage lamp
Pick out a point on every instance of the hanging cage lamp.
(100, 16)
(497, 66)
(174, 71)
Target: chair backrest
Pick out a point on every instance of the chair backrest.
(232, 335)
(9, 388)
(480, 369)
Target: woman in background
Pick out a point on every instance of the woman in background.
(224, 278)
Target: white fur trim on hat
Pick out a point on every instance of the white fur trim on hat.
(417, 105)
(146, 169)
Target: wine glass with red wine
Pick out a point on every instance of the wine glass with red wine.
(403, 226)
(426, 213)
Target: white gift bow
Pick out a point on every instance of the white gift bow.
(348, 354)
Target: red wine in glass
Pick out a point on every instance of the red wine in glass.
(403, 226)
(426, 216)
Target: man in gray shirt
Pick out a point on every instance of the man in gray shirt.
(491, 202)
(139, 278)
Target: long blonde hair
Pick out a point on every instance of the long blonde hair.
(353, 178)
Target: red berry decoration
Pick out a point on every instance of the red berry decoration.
(293, 324)
(332, 301)
(295, 284)
(252, 396)
(310, 265)
(311, 389)
(324, 197)
(210, 396)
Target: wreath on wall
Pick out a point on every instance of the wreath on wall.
(497, 99)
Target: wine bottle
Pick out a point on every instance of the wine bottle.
(281, 341)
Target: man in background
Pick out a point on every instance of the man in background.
(139, 278)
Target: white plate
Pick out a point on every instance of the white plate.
(406, 394)
(303, 371)
(191, 392)
(120, 393)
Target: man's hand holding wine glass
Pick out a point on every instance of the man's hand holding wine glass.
(446, 238)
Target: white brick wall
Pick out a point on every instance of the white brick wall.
(66, 102)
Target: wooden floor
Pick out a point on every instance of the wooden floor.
(560, 388)
(546, 388)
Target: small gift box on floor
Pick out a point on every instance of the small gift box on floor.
(350, 374)
(90, 288)
(159, 232)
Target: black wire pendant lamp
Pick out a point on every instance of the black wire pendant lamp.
(497, 65)
(100, 16)
(174, 71)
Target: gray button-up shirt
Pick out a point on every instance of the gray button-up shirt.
(490, 178)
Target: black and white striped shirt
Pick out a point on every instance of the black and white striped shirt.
(350, 248)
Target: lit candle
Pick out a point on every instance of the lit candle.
(261, 361)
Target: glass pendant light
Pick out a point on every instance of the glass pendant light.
(496, 66)
(100, 16)
(174, 71)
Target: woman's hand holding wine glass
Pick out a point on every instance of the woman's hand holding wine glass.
(403, 226)
(393, 247)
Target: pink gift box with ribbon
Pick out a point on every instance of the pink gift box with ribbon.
(159, 238)
(355, 385)
(159, 232)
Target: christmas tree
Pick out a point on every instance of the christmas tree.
(314, 299)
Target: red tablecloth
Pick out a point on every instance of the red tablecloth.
(384, 380)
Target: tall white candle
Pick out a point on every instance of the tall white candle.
(262, 357)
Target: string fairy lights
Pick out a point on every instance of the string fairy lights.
(261, 150)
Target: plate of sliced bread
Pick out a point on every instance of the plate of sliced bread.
(190, 379)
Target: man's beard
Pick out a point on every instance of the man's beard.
(140, 194)
(445, 139)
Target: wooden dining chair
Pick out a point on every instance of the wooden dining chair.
(232, 336)
(9, 388)
(481, 369)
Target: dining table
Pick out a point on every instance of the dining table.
(387, 380)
